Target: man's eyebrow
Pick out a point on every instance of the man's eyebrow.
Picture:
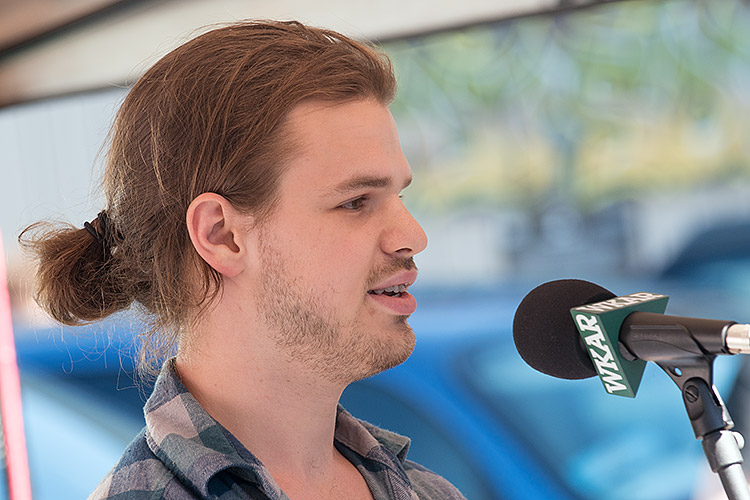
(367, 181)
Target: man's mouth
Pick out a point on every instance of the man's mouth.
(391, 291)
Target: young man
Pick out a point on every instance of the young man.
(254, 214)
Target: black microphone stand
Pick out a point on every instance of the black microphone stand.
(692, 371)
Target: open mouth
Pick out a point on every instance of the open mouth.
(391, 291)
(393, 297)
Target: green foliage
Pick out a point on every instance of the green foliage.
(604, 102)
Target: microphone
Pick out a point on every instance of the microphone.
(575, 329)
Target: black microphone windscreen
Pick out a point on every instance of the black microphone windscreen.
(545, 333)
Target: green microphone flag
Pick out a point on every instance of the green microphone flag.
(599, 325)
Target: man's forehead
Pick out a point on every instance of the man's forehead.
(344, 147)
(315, 122)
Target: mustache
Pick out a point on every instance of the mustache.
(393, 266)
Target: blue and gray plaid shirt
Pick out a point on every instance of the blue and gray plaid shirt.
(183, 453)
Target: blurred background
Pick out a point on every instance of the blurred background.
(605, 141)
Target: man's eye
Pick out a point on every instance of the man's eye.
(355, 204)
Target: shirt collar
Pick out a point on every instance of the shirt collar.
(363, 438)
(377, 453)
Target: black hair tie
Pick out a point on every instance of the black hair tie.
(101, 234)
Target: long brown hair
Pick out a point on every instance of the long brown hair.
(207, 117)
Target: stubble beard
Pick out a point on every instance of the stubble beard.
(306, 328)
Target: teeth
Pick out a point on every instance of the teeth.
(391, 289)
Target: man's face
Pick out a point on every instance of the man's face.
(336, 254)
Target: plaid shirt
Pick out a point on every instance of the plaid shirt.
(183, 453)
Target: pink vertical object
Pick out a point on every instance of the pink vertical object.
(16, 458)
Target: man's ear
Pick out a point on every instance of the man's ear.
(216, 231)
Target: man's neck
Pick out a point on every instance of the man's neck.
(272, 408)
(283, 415)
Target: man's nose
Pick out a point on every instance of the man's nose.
(404, 237)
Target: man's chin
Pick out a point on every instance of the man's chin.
(392, 353)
